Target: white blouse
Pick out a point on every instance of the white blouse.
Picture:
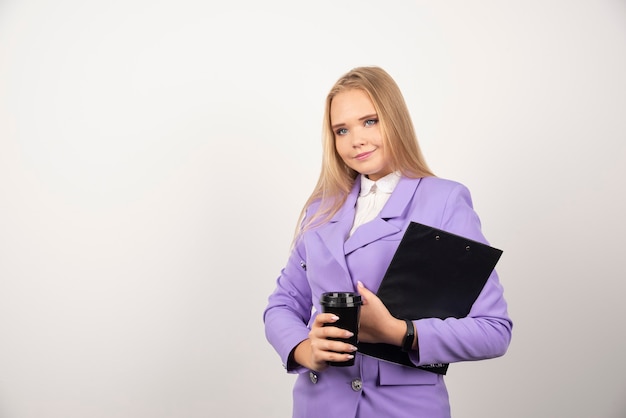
(372, 198)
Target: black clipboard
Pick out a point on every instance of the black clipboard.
(433, 274)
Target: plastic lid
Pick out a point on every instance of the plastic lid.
(339, 299)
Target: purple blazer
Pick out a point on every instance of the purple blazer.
(324, 261)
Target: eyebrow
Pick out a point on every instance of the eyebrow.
(366, 117)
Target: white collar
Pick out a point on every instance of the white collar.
(385, 184)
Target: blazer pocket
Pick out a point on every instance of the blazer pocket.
(390, 374)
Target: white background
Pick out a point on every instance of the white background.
(154, 156)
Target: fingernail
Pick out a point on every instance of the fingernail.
(359, 283)
(349, 334)
(353, 348)
(350, 356)
(334, 317)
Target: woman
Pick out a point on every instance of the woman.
(374, 182)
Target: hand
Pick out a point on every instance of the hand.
(315, 352)
(377, 325)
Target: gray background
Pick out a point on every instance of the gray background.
(154, 156)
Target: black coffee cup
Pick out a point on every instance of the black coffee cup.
(347, 306)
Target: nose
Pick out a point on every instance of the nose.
(358, 139)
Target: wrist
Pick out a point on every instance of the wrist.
(302, 353)
(395, 332)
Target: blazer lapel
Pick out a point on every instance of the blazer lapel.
(333, 234)
(389, 221)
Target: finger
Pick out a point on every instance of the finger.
(322, 360)
(365, 292)
(327, 349)
(362, 287)
(329, 332)
(325, 318)
(337, 357)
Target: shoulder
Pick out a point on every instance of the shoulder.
(439, 182)
(333, 203)
(454, 204)
(440, 187)
(313, 207)
(436, 200)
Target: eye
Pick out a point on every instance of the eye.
(341, 131)
(371, 122)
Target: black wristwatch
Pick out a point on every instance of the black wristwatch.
(407, 343)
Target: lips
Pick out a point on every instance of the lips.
(364, 155)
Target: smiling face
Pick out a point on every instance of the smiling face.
(358, 137)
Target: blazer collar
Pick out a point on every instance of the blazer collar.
(400, 198)
(383, 225)
(333, 234)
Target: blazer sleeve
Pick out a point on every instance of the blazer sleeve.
(486, 331)
(288, 311)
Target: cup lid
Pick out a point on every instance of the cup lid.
(340, 299)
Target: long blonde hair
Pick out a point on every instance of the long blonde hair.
(336, 178)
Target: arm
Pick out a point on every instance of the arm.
(486, 331)
(289, 307)
(286, 318)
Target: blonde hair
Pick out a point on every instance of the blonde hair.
(398, 136)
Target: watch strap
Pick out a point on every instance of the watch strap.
(407, 343)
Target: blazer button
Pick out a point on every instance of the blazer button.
(313, 377)
(357, 385)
